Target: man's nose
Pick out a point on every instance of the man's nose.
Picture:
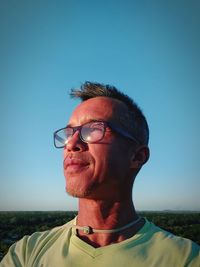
(75, 143)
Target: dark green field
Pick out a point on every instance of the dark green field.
(14, 225)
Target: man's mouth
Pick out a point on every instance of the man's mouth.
(74, 165)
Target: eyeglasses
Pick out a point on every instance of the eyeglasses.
(91, 132)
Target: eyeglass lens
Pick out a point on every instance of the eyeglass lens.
(92, 132)
(89, 133)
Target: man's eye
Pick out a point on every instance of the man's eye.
(96, 125)
(93, 129)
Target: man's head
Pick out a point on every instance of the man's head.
(104, 169)
(133, 119)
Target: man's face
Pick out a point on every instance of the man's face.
(101, 170)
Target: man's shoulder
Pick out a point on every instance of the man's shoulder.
(54, 232)
(161, 234)
(169, 244)
(30, 246)
(154, 246)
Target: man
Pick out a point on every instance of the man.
(105, 145)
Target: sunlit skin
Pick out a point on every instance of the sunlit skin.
(101, 175)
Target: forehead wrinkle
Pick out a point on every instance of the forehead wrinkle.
(99, 108)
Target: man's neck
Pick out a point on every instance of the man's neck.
(106, 215)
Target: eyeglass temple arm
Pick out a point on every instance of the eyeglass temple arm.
(124, 133)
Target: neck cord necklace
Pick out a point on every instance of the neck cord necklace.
(89, 230)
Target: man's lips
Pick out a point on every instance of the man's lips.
(74, 164)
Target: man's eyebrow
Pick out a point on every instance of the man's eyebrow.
(86, 121)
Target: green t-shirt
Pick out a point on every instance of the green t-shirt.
(60, 247)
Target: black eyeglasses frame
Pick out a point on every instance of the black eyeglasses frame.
(106, 124)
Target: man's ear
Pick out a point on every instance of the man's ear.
(140, 157)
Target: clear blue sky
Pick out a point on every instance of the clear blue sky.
(148, 49)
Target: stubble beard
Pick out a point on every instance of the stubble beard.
(77, 193)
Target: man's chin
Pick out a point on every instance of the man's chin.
(78, 193)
